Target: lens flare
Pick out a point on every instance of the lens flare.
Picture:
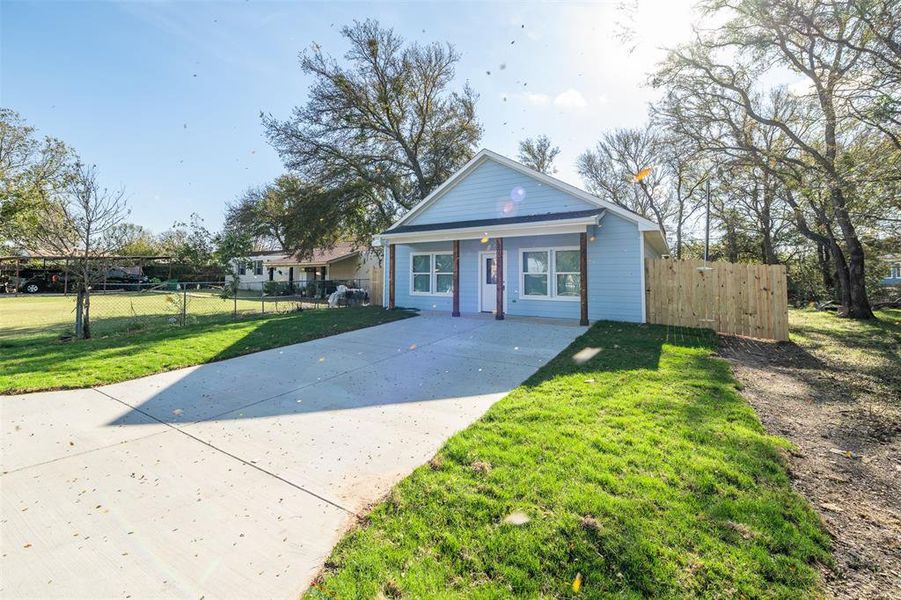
(518, 194)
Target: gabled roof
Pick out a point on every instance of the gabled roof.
(486, 155)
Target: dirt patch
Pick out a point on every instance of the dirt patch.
(846, 428)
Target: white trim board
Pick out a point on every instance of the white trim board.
(578, 225)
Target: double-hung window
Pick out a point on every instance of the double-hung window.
(567, 277)
(257, 267)
(550, 273)
(432, 273)
(242, 267)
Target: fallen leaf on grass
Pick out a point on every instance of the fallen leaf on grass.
(517, 518)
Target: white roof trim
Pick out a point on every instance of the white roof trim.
(657, 240)
(485, 154)
(576, 225)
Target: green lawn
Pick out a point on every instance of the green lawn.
(867, 352)
(112, 312)
(642, 469)
(31, 362)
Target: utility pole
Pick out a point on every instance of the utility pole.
(707, 225)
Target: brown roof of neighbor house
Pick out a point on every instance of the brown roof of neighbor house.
(320, 257)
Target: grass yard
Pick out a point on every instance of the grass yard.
(32, 363)
(835, 393)
(864, 349)
(112, 312)
(642, 471)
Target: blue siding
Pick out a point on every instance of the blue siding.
(614, 271)
(614, 274)
(488, 192)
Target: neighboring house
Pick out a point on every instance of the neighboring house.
(343, 263)
(894, 271)
(499, 237)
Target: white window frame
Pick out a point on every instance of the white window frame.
(257, 268)
(556, 272)
(895, 271)
(551, 275)
(433, 274)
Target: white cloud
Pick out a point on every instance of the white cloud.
(538, 99)
(571, 98)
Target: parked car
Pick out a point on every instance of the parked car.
(122, 279)
(33, 281)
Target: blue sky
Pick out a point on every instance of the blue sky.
(164, 97)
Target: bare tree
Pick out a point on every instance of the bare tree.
(821, 42)
(611, 169)
(537, 153)
(83, 224)
(649, 171)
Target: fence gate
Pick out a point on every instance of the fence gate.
(732, 298)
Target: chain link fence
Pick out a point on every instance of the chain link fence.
(126, 307)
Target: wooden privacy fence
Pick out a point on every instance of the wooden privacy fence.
(738, 299)
(375, 286)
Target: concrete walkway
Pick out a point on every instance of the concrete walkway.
(235, 479)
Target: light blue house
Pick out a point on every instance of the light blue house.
(894, 271)
(498, 237)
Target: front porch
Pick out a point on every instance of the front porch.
(529, 276)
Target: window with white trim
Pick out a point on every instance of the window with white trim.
(432, 273)
(257, 267)
(567, 277)
(896, 271)
(535, 271)
(550, 273)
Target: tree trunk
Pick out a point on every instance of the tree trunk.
(858, 304)
(86, 319)
(766, 227)
(731, 243)
(79, 303)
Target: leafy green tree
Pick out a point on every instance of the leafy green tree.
(33, 171)
(188, 243)
(381, 129)
(136, 240)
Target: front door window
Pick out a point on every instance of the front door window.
(489, 283)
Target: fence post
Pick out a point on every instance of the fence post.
(184, 304)
(235, 295)
(262, 301)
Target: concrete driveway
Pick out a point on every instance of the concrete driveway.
(235, 479)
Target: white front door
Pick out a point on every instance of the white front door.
(488, 277)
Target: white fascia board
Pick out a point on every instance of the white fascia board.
(656, 238)
(508, 230)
